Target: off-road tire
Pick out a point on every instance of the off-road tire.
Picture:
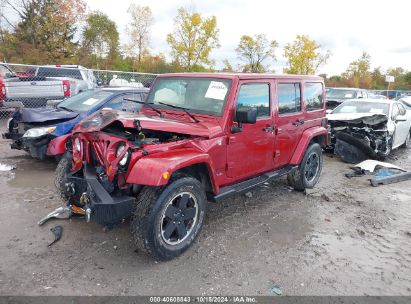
(148, 212)
(297, 178)
(63, 168)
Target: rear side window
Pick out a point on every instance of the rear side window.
(289, 98)
(313, 94)
(59, 72)
(255, 95)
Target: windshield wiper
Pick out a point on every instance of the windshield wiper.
(149, 104)
(64, 108)
(180, 108)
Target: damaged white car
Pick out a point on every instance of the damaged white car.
(361, 129)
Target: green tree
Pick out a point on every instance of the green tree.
(304, 56)
(254, 51)
(359, 71)
(227, 66)
(139, 30)
(100, 38)
(193, 39)
(45, 31)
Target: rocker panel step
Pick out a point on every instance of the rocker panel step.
(243, 186)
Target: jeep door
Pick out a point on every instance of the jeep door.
(289, 120)
(250, 151)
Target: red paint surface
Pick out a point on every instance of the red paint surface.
(57, 146)
(229, 157)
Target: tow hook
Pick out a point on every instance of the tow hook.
(84, 201)
(88, 215)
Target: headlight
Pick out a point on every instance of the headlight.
(37, 132)
(77, 144)
(120, 149)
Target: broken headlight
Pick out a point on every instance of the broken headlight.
(37, 132)
(120, 149)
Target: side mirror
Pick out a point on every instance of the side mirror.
(246, 115)
(328, 111)
(401, 118)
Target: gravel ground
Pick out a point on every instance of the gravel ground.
(342, 238)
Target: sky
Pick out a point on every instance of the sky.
(347, 28)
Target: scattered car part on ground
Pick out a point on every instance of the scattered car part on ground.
(5, 167)
(57, 232)
(367, 128)
(210, 136)
(370, 165)
(389, 179)
(373, 167)
(43, 132)
(60, 213)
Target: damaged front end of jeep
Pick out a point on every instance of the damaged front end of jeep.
(355, 139)
(105, 149)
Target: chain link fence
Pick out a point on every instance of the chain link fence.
(34, 86)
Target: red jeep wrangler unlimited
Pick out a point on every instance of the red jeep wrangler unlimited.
(200, 137)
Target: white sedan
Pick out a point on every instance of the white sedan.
(368, 128)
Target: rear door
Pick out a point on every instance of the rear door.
(251, 151)
(289, 120)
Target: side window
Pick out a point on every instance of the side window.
(313, 95)
(289, 98)
(255, 95)
(118, 103)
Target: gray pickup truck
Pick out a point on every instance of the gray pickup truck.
(49, 83)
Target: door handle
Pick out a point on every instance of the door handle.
(298, 122)
(269, 128)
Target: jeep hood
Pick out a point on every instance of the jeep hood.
(102, 119)
(356, 118)
(44, 115)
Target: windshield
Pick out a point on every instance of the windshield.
(84, 101)
(340, 94)
(198, 95)
(362, 107)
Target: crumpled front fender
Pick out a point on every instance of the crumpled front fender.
(156, 169)
(58, 145)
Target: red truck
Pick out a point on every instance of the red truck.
(200, 138)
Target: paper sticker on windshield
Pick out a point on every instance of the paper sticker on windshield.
(377, 111)
(216, 90)
(90, 101)
(348, 95)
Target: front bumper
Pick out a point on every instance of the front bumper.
(85, 190)
(37, 146)
(17, 143)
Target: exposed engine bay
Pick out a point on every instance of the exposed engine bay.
(139, 137)
(356, 139)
